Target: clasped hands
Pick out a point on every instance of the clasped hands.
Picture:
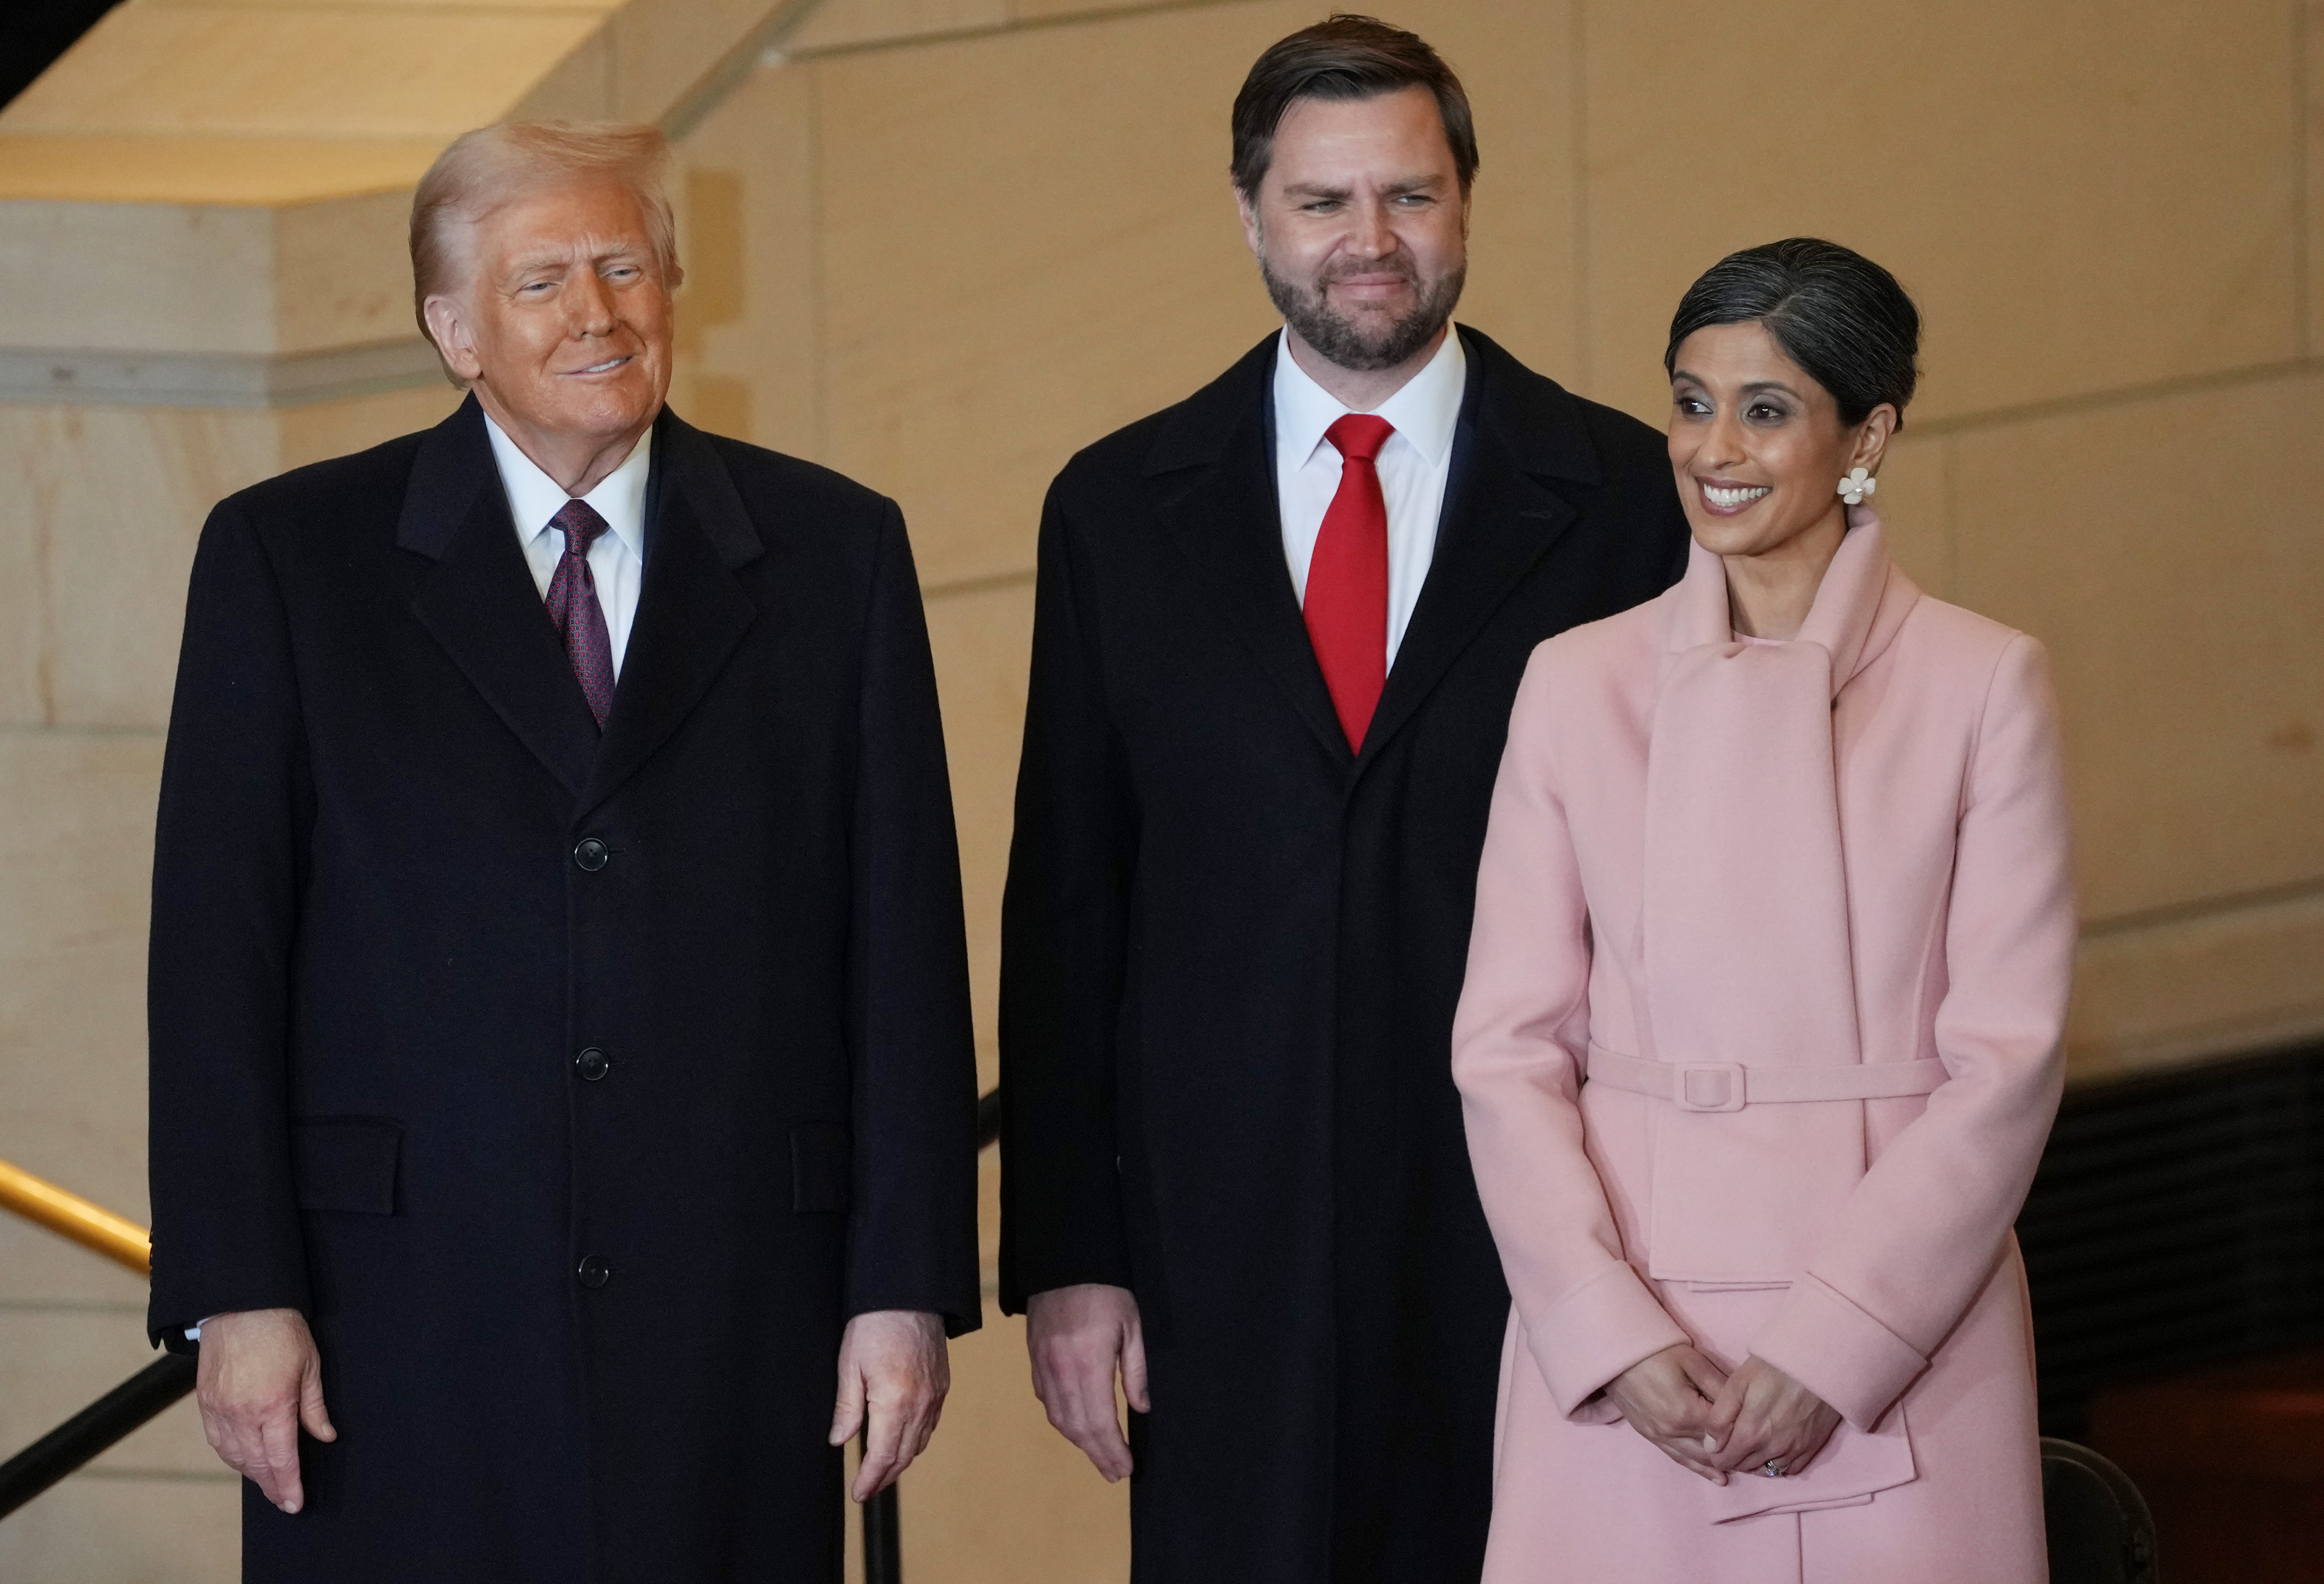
(1713, 1424)
(261, 1380)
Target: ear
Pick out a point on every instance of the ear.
(1872, 439)
(447, 322)
(1250, 215)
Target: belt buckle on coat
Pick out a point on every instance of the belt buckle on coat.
(1708, 1086)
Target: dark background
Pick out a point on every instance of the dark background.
(34, 32)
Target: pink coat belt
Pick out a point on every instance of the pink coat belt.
(1730, 1086)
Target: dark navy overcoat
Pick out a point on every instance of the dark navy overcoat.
(578, 1089)
(1231, 949)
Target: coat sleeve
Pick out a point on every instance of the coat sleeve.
(1519, 1041)
(1918, 1238)
(1064, 933)
(911, 1240)
(235, 812)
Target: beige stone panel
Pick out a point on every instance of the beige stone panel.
(982, 639)
(56, 1359)
(23, 607)
(298, 73)
(2154, 547)
(838, 23)
(345, 272)
(661, 48)
(2312, 36)
(99, 1528)
(1516, 63)
(77, 843)
(597, 6)
(1029, 240)
(579, 88)
(177, 169)
(338, 429)
(2216, 983)
(1044, 10)
(2082, 196)
(136, 277)
(999, 1496)
(120, 495)
(746, 316)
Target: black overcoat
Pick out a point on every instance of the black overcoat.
(578, 1090)
(1232, 950)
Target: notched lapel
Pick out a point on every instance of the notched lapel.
(479, 602)
(691, 611)
(1229, 526)
(1498, 523)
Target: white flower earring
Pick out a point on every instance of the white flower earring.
(1857, 485)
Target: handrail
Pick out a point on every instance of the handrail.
(68, 1215)
(109, 1420)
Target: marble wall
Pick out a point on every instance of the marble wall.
(941, 243)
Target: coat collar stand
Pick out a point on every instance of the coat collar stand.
(1859, 607)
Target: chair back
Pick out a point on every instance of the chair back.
(2100, 1530)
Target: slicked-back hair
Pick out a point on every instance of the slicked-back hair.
(1348, 57)
(1838, 314)
(494, 165)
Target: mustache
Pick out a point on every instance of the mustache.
(1398, 263)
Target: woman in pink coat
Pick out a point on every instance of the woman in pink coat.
(1760, 1038)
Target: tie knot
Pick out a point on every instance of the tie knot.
(1359, 435)
(579, 521)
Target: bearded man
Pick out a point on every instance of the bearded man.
(1279, 627)
(563, 1089)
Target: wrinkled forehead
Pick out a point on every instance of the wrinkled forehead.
(558, 223)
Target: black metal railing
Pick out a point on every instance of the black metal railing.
(143, 1396)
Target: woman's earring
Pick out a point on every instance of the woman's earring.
(1857, 485)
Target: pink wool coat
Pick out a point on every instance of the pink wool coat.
(1749, 876)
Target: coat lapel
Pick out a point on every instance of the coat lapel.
(1229, 526)
(1498, 519)
(479, 602)
(691, 611)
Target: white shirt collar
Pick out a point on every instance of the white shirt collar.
(534, 497)
(1424, 411)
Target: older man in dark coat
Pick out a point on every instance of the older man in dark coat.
(561, 1065)
(1278, 630)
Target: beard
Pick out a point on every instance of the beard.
(1373, 341)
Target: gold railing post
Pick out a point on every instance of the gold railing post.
(68, 1215)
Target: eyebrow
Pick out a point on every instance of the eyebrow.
(1393, 188)
(594, 250)
(1693, 378)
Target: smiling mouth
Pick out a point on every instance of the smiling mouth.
(599, 368)
(1727, 498)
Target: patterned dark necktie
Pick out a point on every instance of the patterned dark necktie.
(573, 606)
(1346, 607)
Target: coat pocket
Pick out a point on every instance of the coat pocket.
(347, 1164)
(822, 1168)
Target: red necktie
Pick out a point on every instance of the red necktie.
(1347, 579)
(573, 607)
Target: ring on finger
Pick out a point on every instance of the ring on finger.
(1772, 1468)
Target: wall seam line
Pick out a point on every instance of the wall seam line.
(2120, 396)
(2254, 900)
(1063, 19)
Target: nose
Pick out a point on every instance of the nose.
(590, 307)
(1369, 235)
(1722, 443)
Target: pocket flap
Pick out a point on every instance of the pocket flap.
(822, 1167)
(347, 1164)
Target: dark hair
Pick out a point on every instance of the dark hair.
(1834, 312)
(1345, 58)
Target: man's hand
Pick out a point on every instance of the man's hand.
(259, 1380)
(1078, 1336)
(1668, 1398)
(892, 1363)
(1765, 1416)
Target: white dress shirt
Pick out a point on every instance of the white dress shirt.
(617, 560)
(1412, 467)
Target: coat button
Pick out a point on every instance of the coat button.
(593, 1064)
(591, 853)
(596, 1271)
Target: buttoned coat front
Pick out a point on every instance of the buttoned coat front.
(1230, 952)
(577, 1089)
(1831, 855)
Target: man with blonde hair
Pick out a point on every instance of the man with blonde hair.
(561, 1052)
